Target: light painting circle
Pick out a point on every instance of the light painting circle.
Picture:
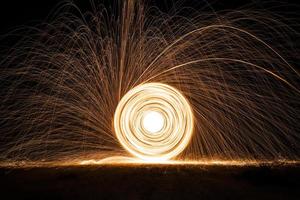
(164, 143)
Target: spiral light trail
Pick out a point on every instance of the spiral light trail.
(154, 122)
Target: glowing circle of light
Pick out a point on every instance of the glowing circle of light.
(154, 122)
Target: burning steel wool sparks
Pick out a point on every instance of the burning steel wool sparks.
(163, 103)
(182, 86)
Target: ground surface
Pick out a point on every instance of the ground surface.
(152, 182)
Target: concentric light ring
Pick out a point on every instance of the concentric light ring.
(176, 132)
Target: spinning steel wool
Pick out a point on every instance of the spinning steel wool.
(181, 85)
(157, 100)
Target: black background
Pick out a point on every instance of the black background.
(14, 13)
(18, 13)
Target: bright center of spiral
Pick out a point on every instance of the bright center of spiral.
(153, 121)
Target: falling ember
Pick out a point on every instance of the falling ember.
(154, 122)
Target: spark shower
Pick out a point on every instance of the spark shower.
(132, 80)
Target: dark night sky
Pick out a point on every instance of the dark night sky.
(14, 13)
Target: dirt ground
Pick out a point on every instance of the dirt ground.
(152, 182)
